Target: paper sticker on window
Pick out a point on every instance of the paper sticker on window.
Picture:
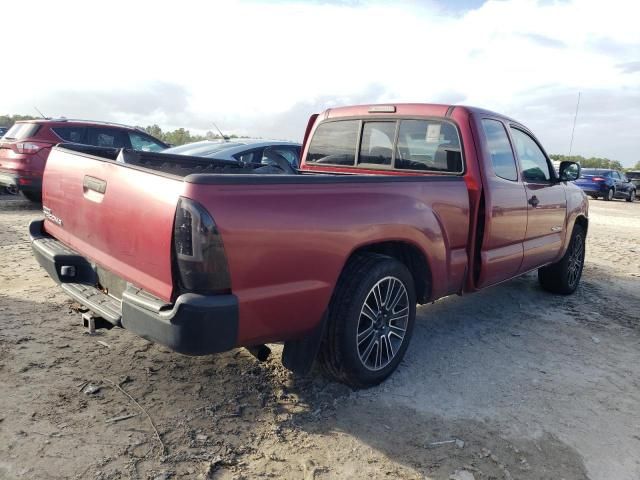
(433, 133)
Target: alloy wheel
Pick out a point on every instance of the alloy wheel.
(576, 258)
(383, 322)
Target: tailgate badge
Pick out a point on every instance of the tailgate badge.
(48, 214)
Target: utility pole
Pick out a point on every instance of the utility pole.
(575, 118)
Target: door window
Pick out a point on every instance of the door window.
(376, 145)
(286, 152)
(249, 156)
(534, 164)
(334, 143)
(70, 134)
(504, 164)
(145, 143)
(616, 175)
(106, 137)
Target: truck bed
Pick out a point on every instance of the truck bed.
(286, 237)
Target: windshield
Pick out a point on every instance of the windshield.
(200, 149)
(21, 131)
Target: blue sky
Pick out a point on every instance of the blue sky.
(260, 68)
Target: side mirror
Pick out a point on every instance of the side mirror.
(569, 171)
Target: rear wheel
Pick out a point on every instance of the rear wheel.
(35, 197)
(608, 195)
(371, 320)
(564, 276)
(632, 196)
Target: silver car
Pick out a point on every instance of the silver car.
(246, 150)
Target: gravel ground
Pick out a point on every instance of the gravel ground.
(509, 383)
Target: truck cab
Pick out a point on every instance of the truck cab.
(521, 209)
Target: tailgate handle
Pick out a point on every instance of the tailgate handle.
(95, 184)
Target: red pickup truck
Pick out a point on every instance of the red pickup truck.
(394, 205)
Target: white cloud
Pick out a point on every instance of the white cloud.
(254, 67)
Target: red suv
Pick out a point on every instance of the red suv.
(25, 147)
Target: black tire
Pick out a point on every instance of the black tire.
(341, 353)
(631, 197)
(35, 197)
(595, 197)
(609, 195)
(563, 277)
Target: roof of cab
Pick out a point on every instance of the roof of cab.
(406, 109)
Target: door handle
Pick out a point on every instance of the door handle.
(95, 184)
(94, 188)
(533, 201)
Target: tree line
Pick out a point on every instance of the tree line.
(180, 136)
(594, 162)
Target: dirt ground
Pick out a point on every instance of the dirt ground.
(509, 383)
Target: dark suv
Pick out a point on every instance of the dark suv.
(25, 147)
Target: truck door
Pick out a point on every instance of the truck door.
(546, 202)
(504, 208)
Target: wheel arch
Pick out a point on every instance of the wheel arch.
(583, 221)
(410, 256)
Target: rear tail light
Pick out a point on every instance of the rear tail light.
(597, 179)
(29, 147)
(200, 258)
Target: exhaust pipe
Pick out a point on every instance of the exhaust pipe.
(261, 352)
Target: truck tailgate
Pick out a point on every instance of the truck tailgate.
(115, 215)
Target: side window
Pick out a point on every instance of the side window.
(144, 143)
(504, 164)
(106, 137)
(376, 146)
(70, 134)
(533, 162)
(251, 156)
(616, 175)
(428, 145)
(334, 143)
(285, 152)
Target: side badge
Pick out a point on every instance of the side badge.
(50, 216)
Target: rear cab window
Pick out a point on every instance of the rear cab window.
(20, 131)
(424, 145)
(334, 143)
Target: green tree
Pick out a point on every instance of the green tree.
(155, 131)
(181, 136)
(8, 120)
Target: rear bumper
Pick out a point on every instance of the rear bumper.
(194, 325)
(22, 182)
(593, 188)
